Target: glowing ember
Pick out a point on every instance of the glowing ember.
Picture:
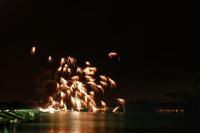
(103, 104)
(121, 105)
(121, 101)
(50, 59)
(87, 63)
(114, 54)
(62, 61)
(33, 50)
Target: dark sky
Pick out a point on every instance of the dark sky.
(152, 39)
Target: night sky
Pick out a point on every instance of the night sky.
(153, 40)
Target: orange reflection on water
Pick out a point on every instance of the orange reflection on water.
(71, 122)
(78, 122)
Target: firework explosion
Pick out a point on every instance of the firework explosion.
(77, 87)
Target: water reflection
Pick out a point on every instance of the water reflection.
(75, 126)
(78, 122)
(73, 122)
(6, 129)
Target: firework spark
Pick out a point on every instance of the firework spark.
(103, 104)
(62, 61)
(50, 59)
(112, 83)
(104, 78)
(121, 103)
(33, 49)
(113, 54)
(87, 63)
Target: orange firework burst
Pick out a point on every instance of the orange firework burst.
(77, 87)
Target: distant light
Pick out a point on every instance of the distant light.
(170, 110)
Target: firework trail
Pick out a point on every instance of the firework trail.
(114, 54)
(50, 59)
(103, 104)
(33, 49)
(121, 103)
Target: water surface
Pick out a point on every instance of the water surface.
(76, 122)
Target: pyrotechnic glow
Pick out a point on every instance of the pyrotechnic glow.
(121, 103)
(50, 59)
(77, 86)
(114, 54)
(33, 50)
(103, 104)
